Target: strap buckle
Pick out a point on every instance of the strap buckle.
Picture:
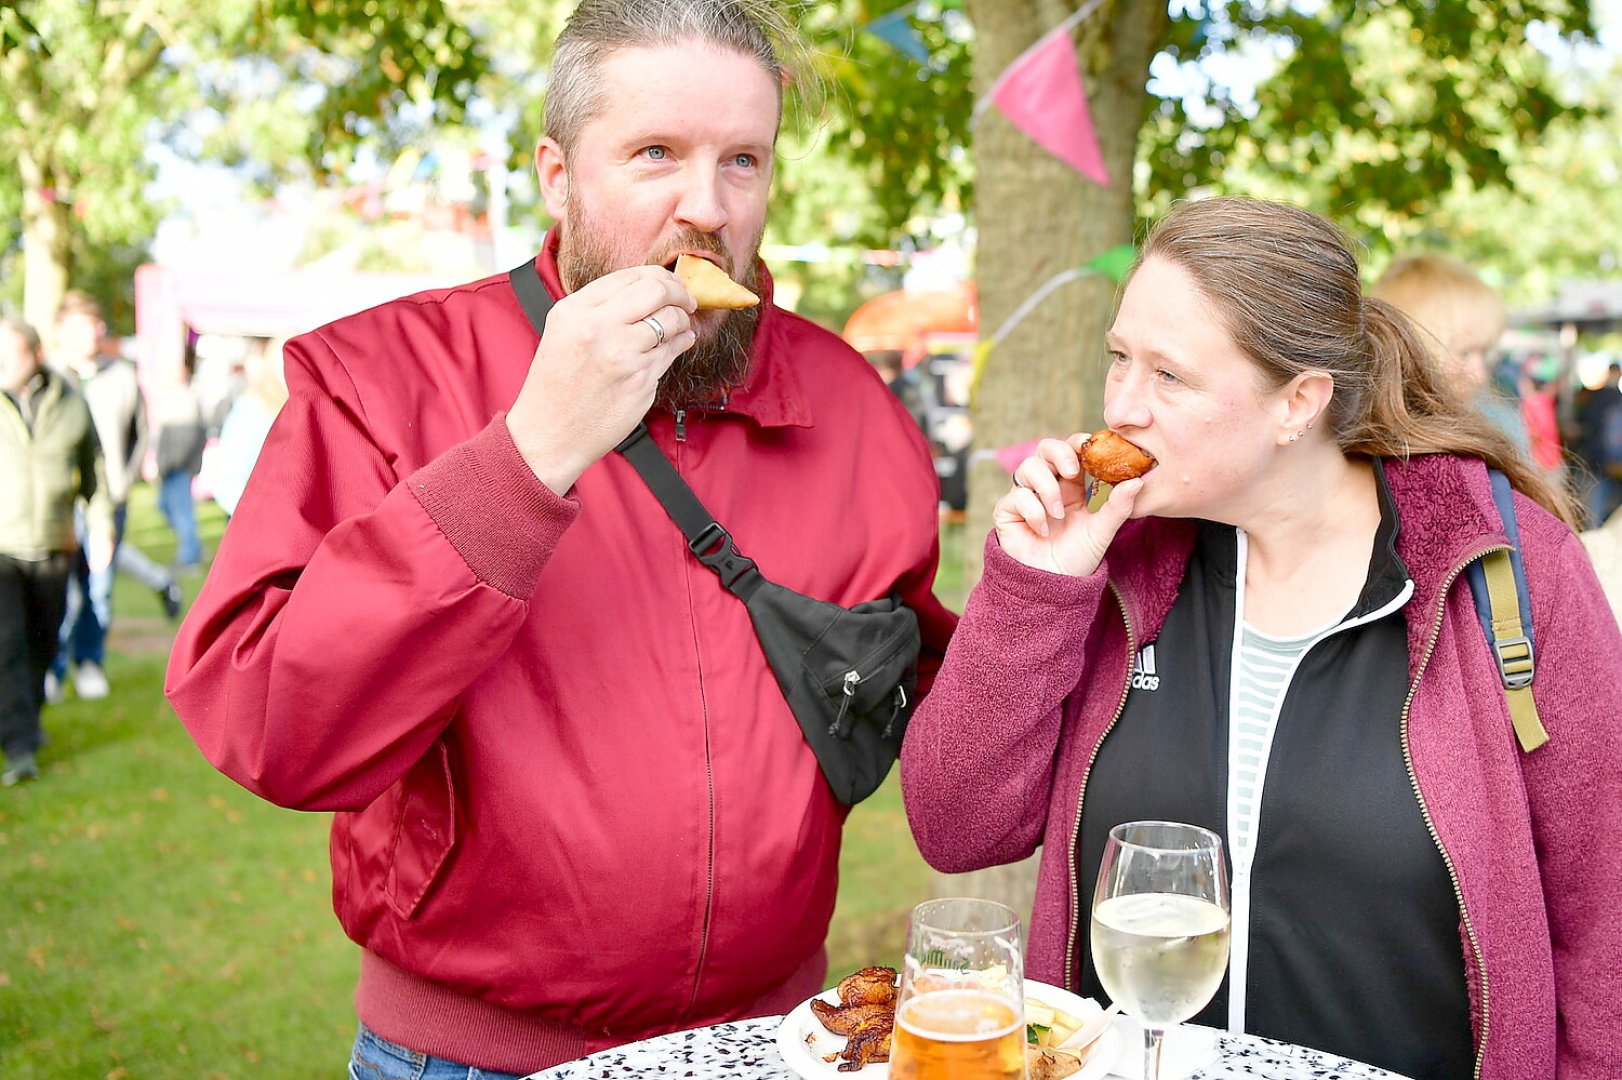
(1515, 662)
(714, 548)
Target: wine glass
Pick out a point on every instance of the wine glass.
(960, 1010)
(1160, 925)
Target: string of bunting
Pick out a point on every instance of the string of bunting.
(1112, 264)
(1041, 91)
(895, 29)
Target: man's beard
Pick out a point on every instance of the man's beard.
(704, 374)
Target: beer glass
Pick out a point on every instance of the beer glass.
(1160, 925)
(960, 1011)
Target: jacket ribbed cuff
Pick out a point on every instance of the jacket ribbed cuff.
(1008, 575)
(493, 509)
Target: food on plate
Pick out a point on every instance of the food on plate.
(865, 1015)
(1042, 1063)
(710, 286)
(1112, 459)
(1046, 1025)
(845, 1019)
(1046, 1028)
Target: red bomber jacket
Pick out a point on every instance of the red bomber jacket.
(573, 808)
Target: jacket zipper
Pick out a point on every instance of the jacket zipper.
(709, 777)
(1071, 976)
(1413, 780)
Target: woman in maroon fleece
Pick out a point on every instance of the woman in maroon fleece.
(1410, 888)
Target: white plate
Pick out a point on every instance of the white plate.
(803, 1041)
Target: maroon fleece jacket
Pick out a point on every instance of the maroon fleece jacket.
(996, 760)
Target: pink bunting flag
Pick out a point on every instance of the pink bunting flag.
(1042, 94)
(1009, 457)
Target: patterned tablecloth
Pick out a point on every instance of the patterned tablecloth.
(748, 1050)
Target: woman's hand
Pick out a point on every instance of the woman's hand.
(1044, 522)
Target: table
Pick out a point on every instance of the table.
(747, 1050)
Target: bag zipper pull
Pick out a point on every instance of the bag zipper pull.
(900, 703)
(851, 679)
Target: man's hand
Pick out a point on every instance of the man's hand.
(597, 370)
(1044, 521)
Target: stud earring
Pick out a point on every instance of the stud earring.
(1294, 437)
(1301, 434)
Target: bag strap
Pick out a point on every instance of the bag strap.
(709, 542)
(707, 539)
(532, 294)
(1498, 586)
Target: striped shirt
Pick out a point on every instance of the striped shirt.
(1265, 665)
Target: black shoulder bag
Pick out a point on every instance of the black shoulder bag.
(849, 674)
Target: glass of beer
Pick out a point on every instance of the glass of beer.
(960, 1011)
(1160, 925)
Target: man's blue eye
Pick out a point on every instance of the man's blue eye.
(657, 153)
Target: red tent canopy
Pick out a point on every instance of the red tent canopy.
(904, 320)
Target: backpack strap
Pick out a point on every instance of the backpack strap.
(1498, 586)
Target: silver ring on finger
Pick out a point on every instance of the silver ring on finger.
(658, 330)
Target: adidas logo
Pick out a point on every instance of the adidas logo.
(1143, 669)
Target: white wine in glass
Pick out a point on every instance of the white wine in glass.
(1160, 925)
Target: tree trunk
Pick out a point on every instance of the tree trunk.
(1038, 217)
(47, 243)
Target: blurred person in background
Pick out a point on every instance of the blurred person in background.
(1597, 413)
(573, 806)
(247, 422)
(51, 462)
(1540, 412)
(903, 383)
(1462, 318)
(182, 435)
(81, 350)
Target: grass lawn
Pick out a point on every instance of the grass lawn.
(163, 923)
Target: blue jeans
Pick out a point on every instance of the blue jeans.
(89, 612)
(174, 499)
(375, 1058)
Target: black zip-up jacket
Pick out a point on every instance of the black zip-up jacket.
(1341, 842)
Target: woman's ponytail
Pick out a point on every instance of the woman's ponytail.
(1411, 408)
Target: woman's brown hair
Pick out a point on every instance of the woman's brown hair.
(1286, 284)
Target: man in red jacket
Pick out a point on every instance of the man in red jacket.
(573, 807)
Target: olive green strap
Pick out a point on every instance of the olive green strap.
(1513, 650)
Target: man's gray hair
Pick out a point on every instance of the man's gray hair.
(600, 28)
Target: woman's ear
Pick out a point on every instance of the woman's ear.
(1305, 400)
(552, 173)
